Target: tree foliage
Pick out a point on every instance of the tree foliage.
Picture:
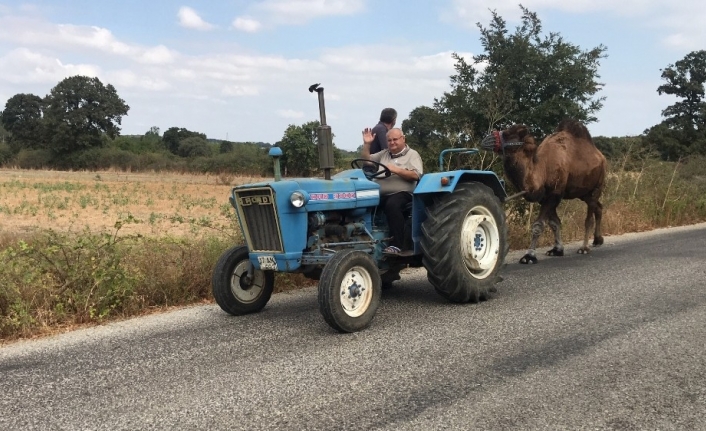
(300, 152)
(685, 80)
(522, 77)
(22, 117)
(174, 135)
(80, 112)
(150, 142)
(225, 147)
(683, 130)
(194, 146)
(300, 155)
(423, 130)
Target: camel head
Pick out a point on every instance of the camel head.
(509, 140)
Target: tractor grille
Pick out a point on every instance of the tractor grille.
(258, 213)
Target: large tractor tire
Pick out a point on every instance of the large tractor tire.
(349, 291)
(464, 243)
(233, 290)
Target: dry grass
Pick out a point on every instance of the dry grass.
(633, 201)
(156, 203)
(172, 204)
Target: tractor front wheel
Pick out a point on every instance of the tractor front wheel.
(349, 291)
(464, 243)
(235, 291)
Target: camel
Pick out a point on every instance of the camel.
(567, 165)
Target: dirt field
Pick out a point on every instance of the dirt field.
(147, 203)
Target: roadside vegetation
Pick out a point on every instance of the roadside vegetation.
(91, 259)
(95, 226)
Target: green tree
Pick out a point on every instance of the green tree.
(683, 130)
(424, 131)
(152, 141)
(22, 117)
(300, 152)
(80, 112)
(685, 80)
(194, 146)
(300, 155)
(522, 77)
(225, 147)
(174, 135)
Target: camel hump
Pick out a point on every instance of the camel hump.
(574, 127)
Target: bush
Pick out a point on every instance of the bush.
(194, 147)
(5, 153)
(34, 159)
(55, 279)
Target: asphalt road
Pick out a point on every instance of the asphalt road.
(612, 340)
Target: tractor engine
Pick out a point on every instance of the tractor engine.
(326, 229)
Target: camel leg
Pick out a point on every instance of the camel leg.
(555, 225)
(537, 229)
(597, 234)
(588, 224)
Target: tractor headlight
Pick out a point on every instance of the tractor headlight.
(298, 199)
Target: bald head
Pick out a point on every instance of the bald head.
(395, 140)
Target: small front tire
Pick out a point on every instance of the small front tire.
(233, 291)
(349, 291)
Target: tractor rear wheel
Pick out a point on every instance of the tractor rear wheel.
(464, 243)
(233, 290)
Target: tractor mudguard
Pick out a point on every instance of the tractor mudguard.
(446, 182)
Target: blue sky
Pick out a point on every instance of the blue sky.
(240, 69)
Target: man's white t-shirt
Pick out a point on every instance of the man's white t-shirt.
(408, 159)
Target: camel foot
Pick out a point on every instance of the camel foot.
(556, 252)
(528, 258)
(597, 241)
(584, 250)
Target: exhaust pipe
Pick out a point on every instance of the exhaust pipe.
(325, 145)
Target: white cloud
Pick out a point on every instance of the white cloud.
(92, 37)
(157, 55)
(129, 79)
(290, 114)
(686, 27)
(35, 33)
(470, 12)
(682, 20)
(303, 11)
(22, 66)
(189, 18)
(246, 24)
(240, 90)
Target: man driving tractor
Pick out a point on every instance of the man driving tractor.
(406, 168)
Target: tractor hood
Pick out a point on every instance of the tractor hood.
(346, 190)
(273, 215)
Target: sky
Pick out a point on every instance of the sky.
(240, 69)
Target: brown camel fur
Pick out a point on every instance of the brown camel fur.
(567, 165)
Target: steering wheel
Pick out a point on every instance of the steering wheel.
(360, 164)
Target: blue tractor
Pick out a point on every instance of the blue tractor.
(332, 230)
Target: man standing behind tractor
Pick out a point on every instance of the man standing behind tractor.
(406, 167)
(388, 118)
